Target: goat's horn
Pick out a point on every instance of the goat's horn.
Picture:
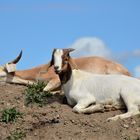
(68, 50)
(17, 59)
(71, 49)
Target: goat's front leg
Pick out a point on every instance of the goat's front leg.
(93, 109)
(90, 109)
(82, 106)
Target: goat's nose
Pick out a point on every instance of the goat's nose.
(56, 67)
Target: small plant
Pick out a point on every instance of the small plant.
(35, 94)
(16, 135)
(133, 139)
(10, 115)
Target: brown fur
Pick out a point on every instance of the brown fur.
(90, 64)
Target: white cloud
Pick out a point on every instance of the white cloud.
(133, 54)
(90, 46)
(136, 53)
(137, 71)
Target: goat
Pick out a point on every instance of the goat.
(89, 93)
(28, 76)
(42, 72)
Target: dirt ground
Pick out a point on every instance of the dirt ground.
(56, 121)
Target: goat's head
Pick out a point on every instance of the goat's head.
(60, 59)
(9, 68)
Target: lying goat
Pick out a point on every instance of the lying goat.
(90, 93)
(29, 76)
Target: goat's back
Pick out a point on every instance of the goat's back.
(105, 87)
(100, 65)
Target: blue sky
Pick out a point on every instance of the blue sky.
(38, 26)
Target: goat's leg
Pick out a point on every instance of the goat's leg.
(52, 85)
(82, 105)
(70, 102)
(132, 108)
(123, 116)
(93, 109)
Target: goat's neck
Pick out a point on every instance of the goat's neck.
(65, 75)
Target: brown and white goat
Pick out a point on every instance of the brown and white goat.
(89, 93)
(95, 65)
(90, 64)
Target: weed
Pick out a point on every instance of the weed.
(16, 135)
(35, 94)
(10, 115)
(133, 139)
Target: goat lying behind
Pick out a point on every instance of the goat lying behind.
(9, 74)
(83, 89)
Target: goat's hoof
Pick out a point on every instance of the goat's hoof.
(112, 119)
(109, 120)
(75, 110)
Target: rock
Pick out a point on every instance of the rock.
(55, 120)
(57, 116)
(133, 122)
(65, 122)
(72, 121)
(138, 130)
(35, 134)
(125, 125)
(96, 129)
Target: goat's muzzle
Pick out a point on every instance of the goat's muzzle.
(56, 69)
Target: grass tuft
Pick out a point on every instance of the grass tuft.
(35, 94)
(16, 135)
(10, 115)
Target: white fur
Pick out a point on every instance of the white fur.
(17, 80)
(10, 67)
(2, 75)
(7, 78)
(2, 72)
(58, 58)
(51, 84)
(84, 89)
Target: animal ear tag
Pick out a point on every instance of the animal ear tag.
(10, 67)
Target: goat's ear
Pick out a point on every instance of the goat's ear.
(52, 59)
(51, 62)
(67, 51)
(71, 49)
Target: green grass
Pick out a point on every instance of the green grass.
(16, 135)
(35, 94)
(134, 139)
(10, 115)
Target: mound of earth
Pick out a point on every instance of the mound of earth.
(56, 120)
